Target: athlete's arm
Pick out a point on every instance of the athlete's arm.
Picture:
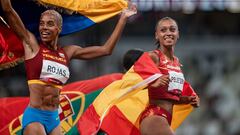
(15, 22)
(77, 52)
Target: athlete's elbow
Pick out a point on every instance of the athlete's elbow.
(109, 52)
(106, 51)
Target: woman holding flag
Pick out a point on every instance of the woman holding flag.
(167, 90)
(47, 65)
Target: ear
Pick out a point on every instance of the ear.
(156, 36)
(59, 30)
(178, 36)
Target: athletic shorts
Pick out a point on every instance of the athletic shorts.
(49, 119)
(156, 110)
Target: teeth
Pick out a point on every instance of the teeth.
(168, 38)
(45, 33)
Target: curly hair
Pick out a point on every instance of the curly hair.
(57, 16)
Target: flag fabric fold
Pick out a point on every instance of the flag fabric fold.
(95, 10)
(180, 112)
(11, 48)
(108, 103)
(108, 109)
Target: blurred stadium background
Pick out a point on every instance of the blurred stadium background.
(208, 49)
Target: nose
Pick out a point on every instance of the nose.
(168, 32)
(44, 26)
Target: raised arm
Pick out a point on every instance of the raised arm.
(77, 52)
(15, 22)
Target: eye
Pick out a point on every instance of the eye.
(163, 29)
(51, 23)
(41, 23)
(173, 29)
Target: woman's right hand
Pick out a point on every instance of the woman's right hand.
(161, 81)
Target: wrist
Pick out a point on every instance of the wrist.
(123, 17)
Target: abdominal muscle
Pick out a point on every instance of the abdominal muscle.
(44, 97)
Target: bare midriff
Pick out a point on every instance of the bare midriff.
(44, 96)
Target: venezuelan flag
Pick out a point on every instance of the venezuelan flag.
(77, 15)
(95, 10)
(117, 112)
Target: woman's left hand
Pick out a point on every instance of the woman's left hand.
(193, 100)
(130, 11)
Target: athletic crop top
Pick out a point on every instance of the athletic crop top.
(48, 66)
(175, 87)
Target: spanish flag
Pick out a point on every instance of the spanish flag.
(117, 109)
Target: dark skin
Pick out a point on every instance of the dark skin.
(46, 97)
(167, 35)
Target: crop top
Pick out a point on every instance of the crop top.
(175, 87)
(48, 66)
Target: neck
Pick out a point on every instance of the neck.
(168, 52)
(51, 45)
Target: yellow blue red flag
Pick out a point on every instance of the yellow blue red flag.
(83, 14)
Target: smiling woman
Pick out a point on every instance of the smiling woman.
(167, 90)
(50, 25)
(47, 65)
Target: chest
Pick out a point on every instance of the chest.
(54, 66)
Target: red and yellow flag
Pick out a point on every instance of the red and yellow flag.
(117, 112)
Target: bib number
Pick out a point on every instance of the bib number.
(176, 81)
(51, 69)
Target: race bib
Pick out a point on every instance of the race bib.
(176, 81)
(51, 69)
